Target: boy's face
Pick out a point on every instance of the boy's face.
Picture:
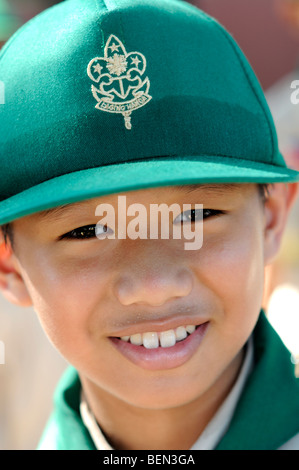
(89, 292)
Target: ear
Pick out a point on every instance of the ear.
(12, 285)
(277, 207)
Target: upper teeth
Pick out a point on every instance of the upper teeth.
(165, 339)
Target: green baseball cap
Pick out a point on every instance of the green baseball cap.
(106, 96)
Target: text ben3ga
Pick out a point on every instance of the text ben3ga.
(172, 459)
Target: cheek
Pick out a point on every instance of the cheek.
(65, 295)
(231, 266)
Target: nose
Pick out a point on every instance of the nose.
(153, 286)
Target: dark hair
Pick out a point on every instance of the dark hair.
(264, 190)
(7, 229)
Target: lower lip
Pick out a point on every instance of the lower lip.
(162, 358)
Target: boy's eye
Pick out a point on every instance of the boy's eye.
(195, 215)
(101, 231)
(87, 231)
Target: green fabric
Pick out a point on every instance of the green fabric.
(204, 117)
(65, 429)
(266, 415)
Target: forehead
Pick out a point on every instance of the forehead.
(201, 192)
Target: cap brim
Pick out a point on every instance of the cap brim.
(117, 178)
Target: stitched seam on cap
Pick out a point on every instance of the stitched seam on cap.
(99, 14)
(233, 45)
(105, 4)
(97, 5)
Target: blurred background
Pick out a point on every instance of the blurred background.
(268, 33)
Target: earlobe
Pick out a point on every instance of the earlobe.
(12, 285)
(278, 203)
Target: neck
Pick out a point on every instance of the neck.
(127, 427)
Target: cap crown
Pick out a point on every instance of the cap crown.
(72, 73)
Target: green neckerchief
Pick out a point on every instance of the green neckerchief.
(266, 416)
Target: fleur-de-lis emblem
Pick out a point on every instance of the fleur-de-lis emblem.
(121, 88)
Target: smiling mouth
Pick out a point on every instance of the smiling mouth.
(161, 350)
(163, 339)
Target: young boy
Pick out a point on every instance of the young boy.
(112, 108)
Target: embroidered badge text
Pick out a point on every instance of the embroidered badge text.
(121, 87)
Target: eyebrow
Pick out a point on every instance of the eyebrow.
(220, 188)
(61, 211)
(56, 212)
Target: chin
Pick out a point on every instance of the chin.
(163, 397)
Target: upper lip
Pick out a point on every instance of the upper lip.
(158, 325)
